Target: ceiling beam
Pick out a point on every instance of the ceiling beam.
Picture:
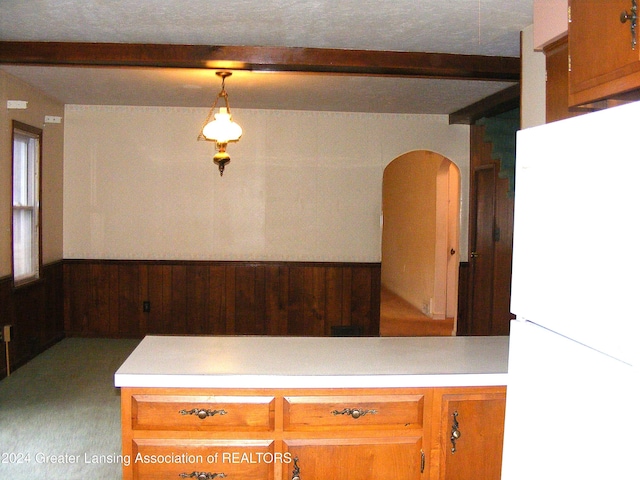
(500, 102)
(285, 59)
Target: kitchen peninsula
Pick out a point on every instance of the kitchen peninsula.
(313, 407)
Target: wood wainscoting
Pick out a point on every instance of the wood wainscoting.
(107, 298)
(35, 312)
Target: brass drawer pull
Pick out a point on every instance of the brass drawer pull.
(202, 475)
(354, 412)
(295, 475)
(633, 19)
(202, 413)
(455, 432)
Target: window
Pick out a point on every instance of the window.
(26, 203)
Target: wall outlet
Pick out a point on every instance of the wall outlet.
(6, 333)
(146, 306)
(426, 308)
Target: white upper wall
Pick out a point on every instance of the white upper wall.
(550, 19)
(301, 186)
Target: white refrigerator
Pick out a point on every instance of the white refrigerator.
(573, 386)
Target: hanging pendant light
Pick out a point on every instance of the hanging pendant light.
(222, 129)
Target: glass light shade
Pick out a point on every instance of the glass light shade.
(222, 129)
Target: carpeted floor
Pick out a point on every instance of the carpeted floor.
(60, 413)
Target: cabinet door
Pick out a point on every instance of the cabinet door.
(603, 62)
(398, 458)
(471, 435)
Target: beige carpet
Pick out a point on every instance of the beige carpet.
(60, 413)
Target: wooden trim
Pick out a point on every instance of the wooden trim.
(223, 263)
(37, 133)
(463, 319)
(500, 102)
(285, 59)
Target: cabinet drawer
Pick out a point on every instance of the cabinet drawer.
(353, 412)
(186, 412)
(158, 459)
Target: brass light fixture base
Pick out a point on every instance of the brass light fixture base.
(221, 159)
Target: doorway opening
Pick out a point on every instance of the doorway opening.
(420, 239)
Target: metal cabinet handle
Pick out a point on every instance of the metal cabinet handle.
(455, 432)
(202, 475)
(295, 475)
(633, 18)
(202, 413)
(354, 412)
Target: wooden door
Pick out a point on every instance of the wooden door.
(603, 60)
(487, 291)
(447, 259)
(398, 458)
(482, 252)
(453, 240)
(471, 436)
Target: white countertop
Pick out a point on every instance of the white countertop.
(314, 362)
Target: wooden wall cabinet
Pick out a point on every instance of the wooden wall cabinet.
(604, 63)
(312, 434)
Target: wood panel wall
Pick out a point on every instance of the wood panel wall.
(105, 298)
(36, 313)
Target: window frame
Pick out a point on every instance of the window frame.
(20, 129)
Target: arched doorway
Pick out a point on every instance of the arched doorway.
(420, 238)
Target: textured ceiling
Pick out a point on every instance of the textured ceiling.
(475, 27)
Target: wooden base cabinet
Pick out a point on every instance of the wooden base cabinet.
(312, 434)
